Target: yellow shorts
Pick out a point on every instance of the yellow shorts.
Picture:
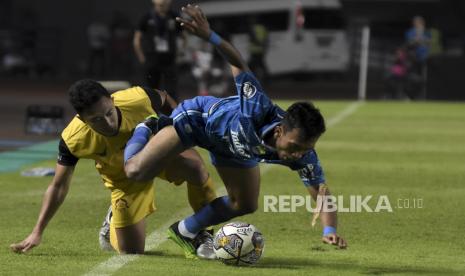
(131, 205)
(130, 208)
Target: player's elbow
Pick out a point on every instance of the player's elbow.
(134, 172)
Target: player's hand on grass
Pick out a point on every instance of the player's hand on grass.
(198, 24)
(335, 240)
(30, 242)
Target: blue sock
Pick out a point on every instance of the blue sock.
(137, 142)
(217, 211)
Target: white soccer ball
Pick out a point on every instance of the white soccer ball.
(238, 243)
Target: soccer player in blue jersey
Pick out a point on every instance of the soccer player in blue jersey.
(239, 131)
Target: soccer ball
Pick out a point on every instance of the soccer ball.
(238, 243)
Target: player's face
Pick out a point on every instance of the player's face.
(102, 117)
(289, 145)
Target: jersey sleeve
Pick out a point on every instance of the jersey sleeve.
(65, 157)
(254, 102)
(310, 170)
(155, 98)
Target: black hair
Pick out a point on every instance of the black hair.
(84, 93)
(306, 117)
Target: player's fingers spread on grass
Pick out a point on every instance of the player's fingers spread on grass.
(14, 247)
(342, 243)
(326, 239)
(331, 239)
(28, 247)
(335, 239)
(17, 247)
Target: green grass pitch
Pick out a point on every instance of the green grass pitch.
(406, 151)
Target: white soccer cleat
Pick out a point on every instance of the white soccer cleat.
(104, 233)
(204, 250)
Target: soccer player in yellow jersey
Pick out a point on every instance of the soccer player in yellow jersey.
(99, 131)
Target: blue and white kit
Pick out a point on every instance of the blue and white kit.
(233, 129)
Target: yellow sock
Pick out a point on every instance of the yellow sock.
(199, 196)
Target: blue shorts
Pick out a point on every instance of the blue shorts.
(189, 120)
(224, 161)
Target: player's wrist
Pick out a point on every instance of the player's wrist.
(37, 231)
(328, 230)
(143, 125)
(152, 123)
(214, 38)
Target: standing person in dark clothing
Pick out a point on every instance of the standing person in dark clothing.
(155, 46)
(258, 46)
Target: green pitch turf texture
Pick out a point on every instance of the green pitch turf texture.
(406, 151)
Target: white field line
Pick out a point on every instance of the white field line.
(153, 240)
(346, 112)
(157, 237)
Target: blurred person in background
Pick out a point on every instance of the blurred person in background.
(155, 45)
(418, 40)
(120, 45)
(98, 36)
(201, 67)
(397, 75)
(258, 47)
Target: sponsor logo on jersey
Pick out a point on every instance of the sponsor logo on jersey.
(238, 146)
(121, 204)
(187, 128)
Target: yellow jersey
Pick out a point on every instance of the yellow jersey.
(134, 105)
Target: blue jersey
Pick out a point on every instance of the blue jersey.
(233, 129)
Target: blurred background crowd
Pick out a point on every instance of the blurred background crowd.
(300, 49)
(414, 45)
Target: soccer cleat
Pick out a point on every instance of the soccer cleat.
(104, 233)
(199, 247)
(204, 250)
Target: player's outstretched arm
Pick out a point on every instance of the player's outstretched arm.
(198, 25)
(168, 104)
(54, 196)
(328, 219)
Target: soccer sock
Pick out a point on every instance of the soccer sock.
(137, 142)
(217, 211)
(200, 196)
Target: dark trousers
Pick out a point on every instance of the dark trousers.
(162, 76)
(258, 66)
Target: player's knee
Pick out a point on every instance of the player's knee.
(196, 172)
(244, 208)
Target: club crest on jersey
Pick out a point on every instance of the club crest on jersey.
(249, 90)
